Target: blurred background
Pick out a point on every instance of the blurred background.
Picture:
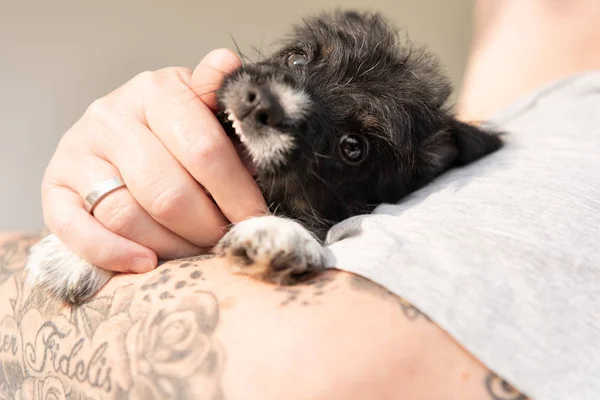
(56, 57)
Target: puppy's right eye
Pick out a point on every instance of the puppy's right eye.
(297, 60)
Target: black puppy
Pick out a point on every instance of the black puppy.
(343, 118)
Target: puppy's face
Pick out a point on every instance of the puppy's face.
(345, 117)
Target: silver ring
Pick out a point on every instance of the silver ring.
(105, 188)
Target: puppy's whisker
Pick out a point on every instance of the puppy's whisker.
(243, 58)
(310, 28)
(333, 191)
(215, 83)
(276, 209)
(272, 187)
(322, 155)
(258, 50)
(259, 54)
(209, 92)
(214, 69)
(323, 181)
(191, 96)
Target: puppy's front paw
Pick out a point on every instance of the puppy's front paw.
(53, 267)
(273, 249)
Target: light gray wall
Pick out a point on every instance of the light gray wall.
(58, 56)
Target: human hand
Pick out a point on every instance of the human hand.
(158, 132)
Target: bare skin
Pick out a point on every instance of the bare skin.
(519, 46)
(191, 328)
(158, 132)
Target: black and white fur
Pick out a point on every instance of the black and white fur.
(344, 117)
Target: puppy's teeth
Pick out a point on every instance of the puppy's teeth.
(237, 126)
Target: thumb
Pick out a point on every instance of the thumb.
(209, 74)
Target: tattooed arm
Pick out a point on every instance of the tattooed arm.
(191, 330)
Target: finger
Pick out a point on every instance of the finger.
(211, 71)
(163, 188)
(194, 136)
(122, 214)
(86, 237)
(207, 79)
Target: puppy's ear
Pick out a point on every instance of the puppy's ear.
(472, 142)
(459, 144)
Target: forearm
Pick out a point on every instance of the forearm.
(192, 328)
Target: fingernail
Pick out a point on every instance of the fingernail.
(141, 264)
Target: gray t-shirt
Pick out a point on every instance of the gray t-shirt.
(504, 254)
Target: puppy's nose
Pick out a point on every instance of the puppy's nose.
(260, 104)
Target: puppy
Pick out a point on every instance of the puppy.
(344, 117)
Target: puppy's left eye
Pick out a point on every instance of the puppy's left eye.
(353, 148)
(297, 60)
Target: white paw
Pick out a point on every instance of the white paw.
(274, 249)
(53, 267)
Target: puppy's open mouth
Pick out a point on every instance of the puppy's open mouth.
(267, 148)
(237, 125)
